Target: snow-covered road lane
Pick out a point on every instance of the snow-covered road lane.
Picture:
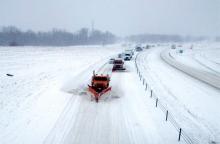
(193, 103)
(124, 116)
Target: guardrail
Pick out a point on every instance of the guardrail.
(168, 116)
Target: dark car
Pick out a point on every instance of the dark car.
(138, 49)
(127, 56)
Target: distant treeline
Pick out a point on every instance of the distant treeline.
(142, 38)
(218, 39)
(12, 36)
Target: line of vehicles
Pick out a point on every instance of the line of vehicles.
(100, 83)
(118, 63)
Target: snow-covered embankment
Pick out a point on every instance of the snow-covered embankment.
(209, 78)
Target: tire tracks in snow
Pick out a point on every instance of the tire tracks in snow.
(120, 121)
(67, 120)
(206, 66)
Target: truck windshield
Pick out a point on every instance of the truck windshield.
(101, 78)
(118, 62)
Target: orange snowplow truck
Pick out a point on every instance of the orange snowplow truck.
(99, 85)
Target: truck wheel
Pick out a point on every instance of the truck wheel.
(97, 100)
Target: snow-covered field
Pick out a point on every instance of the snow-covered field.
(46, 100)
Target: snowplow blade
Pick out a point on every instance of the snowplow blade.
(118, 69)
(96, 94)
(105, 91)
(93, 91)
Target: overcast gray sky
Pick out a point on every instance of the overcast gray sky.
(122, 17)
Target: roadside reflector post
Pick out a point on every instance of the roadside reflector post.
(146, 87)
(156, 102)
(151, 93)
(166, 115)
(180, 132)
(143, 81)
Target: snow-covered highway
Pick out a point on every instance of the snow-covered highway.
(46, 99)
(194, 104)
